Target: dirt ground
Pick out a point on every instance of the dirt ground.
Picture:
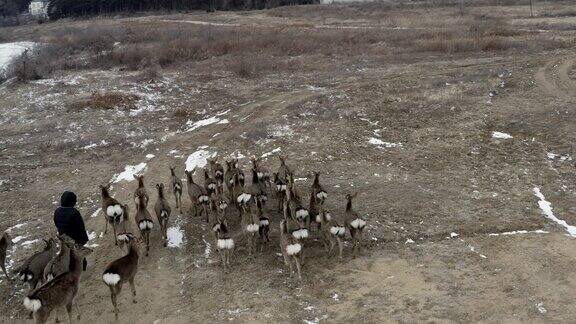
(448, 176)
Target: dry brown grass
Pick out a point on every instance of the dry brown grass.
(106, 101)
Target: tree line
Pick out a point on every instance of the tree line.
(75, 8)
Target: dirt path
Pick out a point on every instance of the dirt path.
(554, 78)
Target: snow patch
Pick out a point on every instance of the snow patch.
(546, 208)
(381, 143)
(205, 122)
(276, 150)
(519, 232)
(198, 159)
(150, 156)
(129, 172)
(175, 236)
(500, 135)
(11, 51)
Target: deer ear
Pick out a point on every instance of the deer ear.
(158, 186)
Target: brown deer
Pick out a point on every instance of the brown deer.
(354, 223)
(176, 188)
(112, 209)
(33, 269)
(61, 262)
(121, 271)
(162, 210)
(60, 291)
(140, 191)
(124, 231)
(332, 231)
(144, 221)
(291, 249)
(194, 192)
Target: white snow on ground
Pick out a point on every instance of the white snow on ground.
(18, 239)
(94, 214)
(150, 156)
(562, 158)
(175, 236)
(276, 150)
(28, 243)
(129, 172)
(205, 122)
(3, 182)
(11, 51)
(501, 135)
(541, 309)
(519, 232)
(198, 159)
(95, 145)
(282, 131)
(379, 142)
(546, 208)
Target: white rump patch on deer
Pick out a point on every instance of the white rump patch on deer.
(32, 305)
(163, 214)
(123, 238)
(244, 198)
(293, 249)
(301, 214)
(300, 234)
(225, 244)
(281, 187)
(223, 205)
(264, 222)
(322, 195)
(203, 199)
(358, 223)
(252, 228)
(114, 211)
(145, 225)
(337, 230)
(111, 279)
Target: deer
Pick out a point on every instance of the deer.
(319, 193)
(284, 171)
(112, 209)
(295, 205)
(162, 210)
(61, 262)
(140, 191)
(241, 197)
(210, 184)
(257, 188)
(124, 229)
(5, 242)
(144, 221)
(291, 249)
(229, 178)
(295, 227)
(251, 226)
(176, 188)
(354, 223)
(194, 192)
(262, 173)
(331, 230)
(280, 191)
(314, 210)
(264, 229)
(224, 243)
(217, 173)
(33, 269)
(121, 271)
(60, 291)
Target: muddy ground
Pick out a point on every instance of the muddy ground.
(444, 196)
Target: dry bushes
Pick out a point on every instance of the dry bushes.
(106, 101)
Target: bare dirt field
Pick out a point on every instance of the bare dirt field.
(457, 130)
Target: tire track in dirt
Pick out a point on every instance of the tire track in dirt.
(554, 78)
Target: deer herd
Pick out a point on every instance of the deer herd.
(54, 273)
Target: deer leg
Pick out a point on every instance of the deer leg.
(77, 309)
(298, 267)
(340, 247)
(147, 238)
(133, 289)
(69, 311)
(41, 315)
(106, 225)
(115, 234)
